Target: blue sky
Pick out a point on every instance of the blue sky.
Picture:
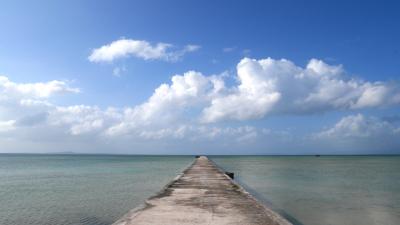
(297, 77)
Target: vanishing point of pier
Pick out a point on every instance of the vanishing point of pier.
(202, 194)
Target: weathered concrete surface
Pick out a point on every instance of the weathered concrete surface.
(203, 194)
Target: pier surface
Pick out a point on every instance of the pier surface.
(202, 194)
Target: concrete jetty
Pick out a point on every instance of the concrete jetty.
(202, 194)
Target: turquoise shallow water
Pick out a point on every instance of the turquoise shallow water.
(327, 190)
(98, 189)
(79, 189)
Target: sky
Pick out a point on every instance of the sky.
(200, 77)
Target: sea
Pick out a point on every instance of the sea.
(73, 189)
(325, 190)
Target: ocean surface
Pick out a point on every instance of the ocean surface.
(326, 190)
(98, 189)
(79, 189)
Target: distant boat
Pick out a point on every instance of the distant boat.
(317, 155)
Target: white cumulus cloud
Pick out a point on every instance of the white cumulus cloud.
(139, 48)
(269, 86)
(18, 100)
(359, 126)
(169, 102)
(34, 90)
(195, 109)
(7, 125)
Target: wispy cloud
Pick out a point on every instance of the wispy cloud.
(118, 71)
(246, 52)
(229, 49)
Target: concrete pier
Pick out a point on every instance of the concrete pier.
(202, 194)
